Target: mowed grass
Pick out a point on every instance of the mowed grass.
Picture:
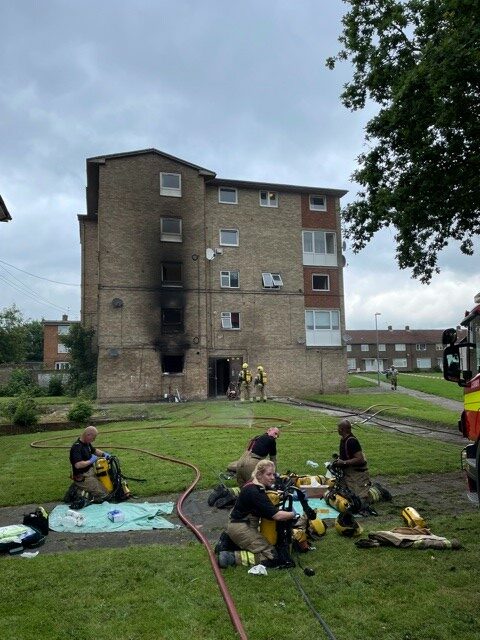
(210, 435)
(433, 383)
(169, 592)
(393, 404)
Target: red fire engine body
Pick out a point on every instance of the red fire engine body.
(461, 364)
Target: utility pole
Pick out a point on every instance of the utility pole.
(378, 358)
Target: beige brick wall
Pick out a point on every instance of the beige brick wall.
(130, 254)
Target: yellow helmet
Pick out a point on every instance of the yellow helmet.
(336, 501)
(346, 525)
(260, 368)
(245, 365)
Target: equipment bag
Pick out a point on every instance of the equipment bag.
(38, 520)
(15, 538)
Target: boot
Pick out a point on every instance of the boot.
(216, 493)
(226, 499)
(226, 559)
(225, 543)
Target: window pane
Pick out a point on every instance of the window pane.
(335, 320)
(267, 280)
(229, 236)
(234, 278)
(319, 242)
(320, 283)
(264, 198)
(322, 320)
(309, 320)
(172, 272)
(171, 180)
(227, 195)
(277, 279)
(308, 241)
(235, 320)
(171, 225)
(172, 316)
(330, 242)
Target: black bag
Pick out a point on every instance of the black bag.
(38, 520)
(31, 540)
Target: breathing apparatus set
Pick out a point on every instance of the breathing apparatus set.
(108, 472)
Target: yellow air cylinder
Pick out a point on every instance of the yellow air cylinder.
(102, 473)
(268, 528)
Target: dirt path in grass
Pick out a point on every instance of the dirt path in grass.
(431, 495)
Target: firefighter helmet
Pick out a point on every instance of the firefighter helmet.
(316, 528)
(260, 368)
(346, 525)
(245, 365)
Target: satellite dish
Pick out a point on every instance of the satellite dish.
(344, 261)
(117, 303)
(210, 254)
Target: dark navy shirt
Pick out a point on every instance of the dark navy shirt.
(252, 500)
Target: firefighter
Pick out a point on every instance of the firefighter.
(245, 381)
(260, 447)
(243, 527)
(352, 461)
(83, 455)
(259, 384)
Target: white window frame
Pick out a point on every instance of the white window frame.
(424, 363)
(351, 364)
(272, 280)
(229, 244)
(61, 366)
(63, 330)
(318, 335)
(170, 236)
(230, 190)
(270, 200)
(382, 347)
(321, 275)
(62, 348)
(349, 348)
(226, 319)
(364, 347)
(317, 207)
(421, 346)
(400, 346)
(226, 279)
(173, 192)
(313, 239)
(400, 363)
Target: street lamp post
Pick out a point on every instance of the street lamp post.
(378, 358)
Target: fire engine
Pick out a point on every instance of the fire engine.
(461, 364)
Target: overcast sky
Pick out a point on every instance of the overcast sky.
(240, 88)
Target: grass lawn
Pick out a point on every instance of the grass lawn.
(156, 592)
(433, 383)
(394, 404)
(355, 382)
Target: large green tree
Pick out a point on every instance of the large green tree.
(83, 360)
(419, 61)
(13, 342)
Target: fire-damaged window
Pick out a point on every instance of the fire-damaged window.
(172, 363)
(171, 274)
(172, 320)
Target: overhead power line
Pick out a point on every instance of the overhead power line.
(67, 284)
(25, 290)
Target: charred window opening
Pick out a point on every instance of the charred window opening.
(171, 274)
(172, 364)
(172, 320)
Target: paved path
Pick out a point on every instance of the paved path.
(446, 403)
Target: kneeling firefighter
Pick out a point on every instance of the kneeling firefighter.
(243, 528)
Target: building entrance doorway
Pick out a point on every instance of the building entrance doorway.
(221, 372)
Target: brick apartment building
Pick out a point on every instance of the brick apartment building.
(4, 213)
(406, 349)
(55, 353)
(186, 276)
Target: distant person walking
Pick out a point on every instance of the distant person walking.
(393, 378)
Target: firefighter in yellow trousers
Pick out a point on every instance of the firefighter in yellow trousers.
(245, 381)
(259, 384)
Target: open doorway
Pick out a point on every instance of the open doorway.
(222, 371)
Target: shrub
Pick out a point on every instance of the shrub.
(55, 386)
(22, 411)
(20, 383)
(80, 412)
(89, 392)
